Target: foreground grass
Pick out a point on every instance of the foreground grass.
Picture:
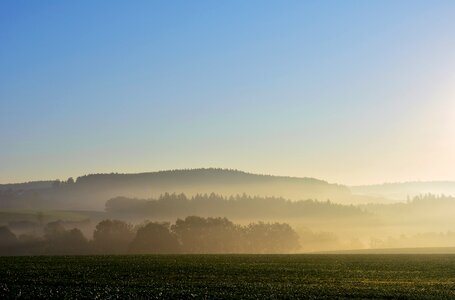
(229, 276)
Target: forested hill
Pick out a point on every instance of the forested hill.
(239, 207)
(92, 191)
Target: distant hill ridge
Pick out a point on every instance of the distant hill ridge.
(195, 175)
(162, 173)
(92, 191)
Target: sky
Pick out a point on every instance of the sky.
(352, 92)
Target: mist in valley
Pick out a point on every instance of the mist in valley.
(157, 212)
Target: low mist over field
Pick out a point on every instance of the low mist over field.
(37, 217)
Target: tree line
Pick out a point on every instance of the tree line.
(193, 234)
(238, 207)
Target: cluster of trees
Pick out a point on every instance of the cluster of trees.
(190, 235)
(239, 207)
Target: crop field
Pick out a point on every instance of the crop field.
(229, 276)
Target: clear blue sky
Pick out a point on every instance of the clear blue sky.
(347, 91)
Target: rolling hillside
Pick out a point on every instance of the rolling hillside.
(92, 191)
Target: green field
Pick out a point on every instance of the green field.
(229, 276)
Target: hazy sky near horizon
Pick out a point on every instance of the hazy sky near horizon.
(351, 92)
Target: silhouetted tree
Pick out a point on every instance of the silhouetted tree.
(154, 238)
(112, 237)
(53, 230)
(271, 238)
(56, 183)
(30, 244)
(64, 242)
(208, 235)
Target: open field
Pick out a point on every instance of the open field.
(416, 250)
(229, 276)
